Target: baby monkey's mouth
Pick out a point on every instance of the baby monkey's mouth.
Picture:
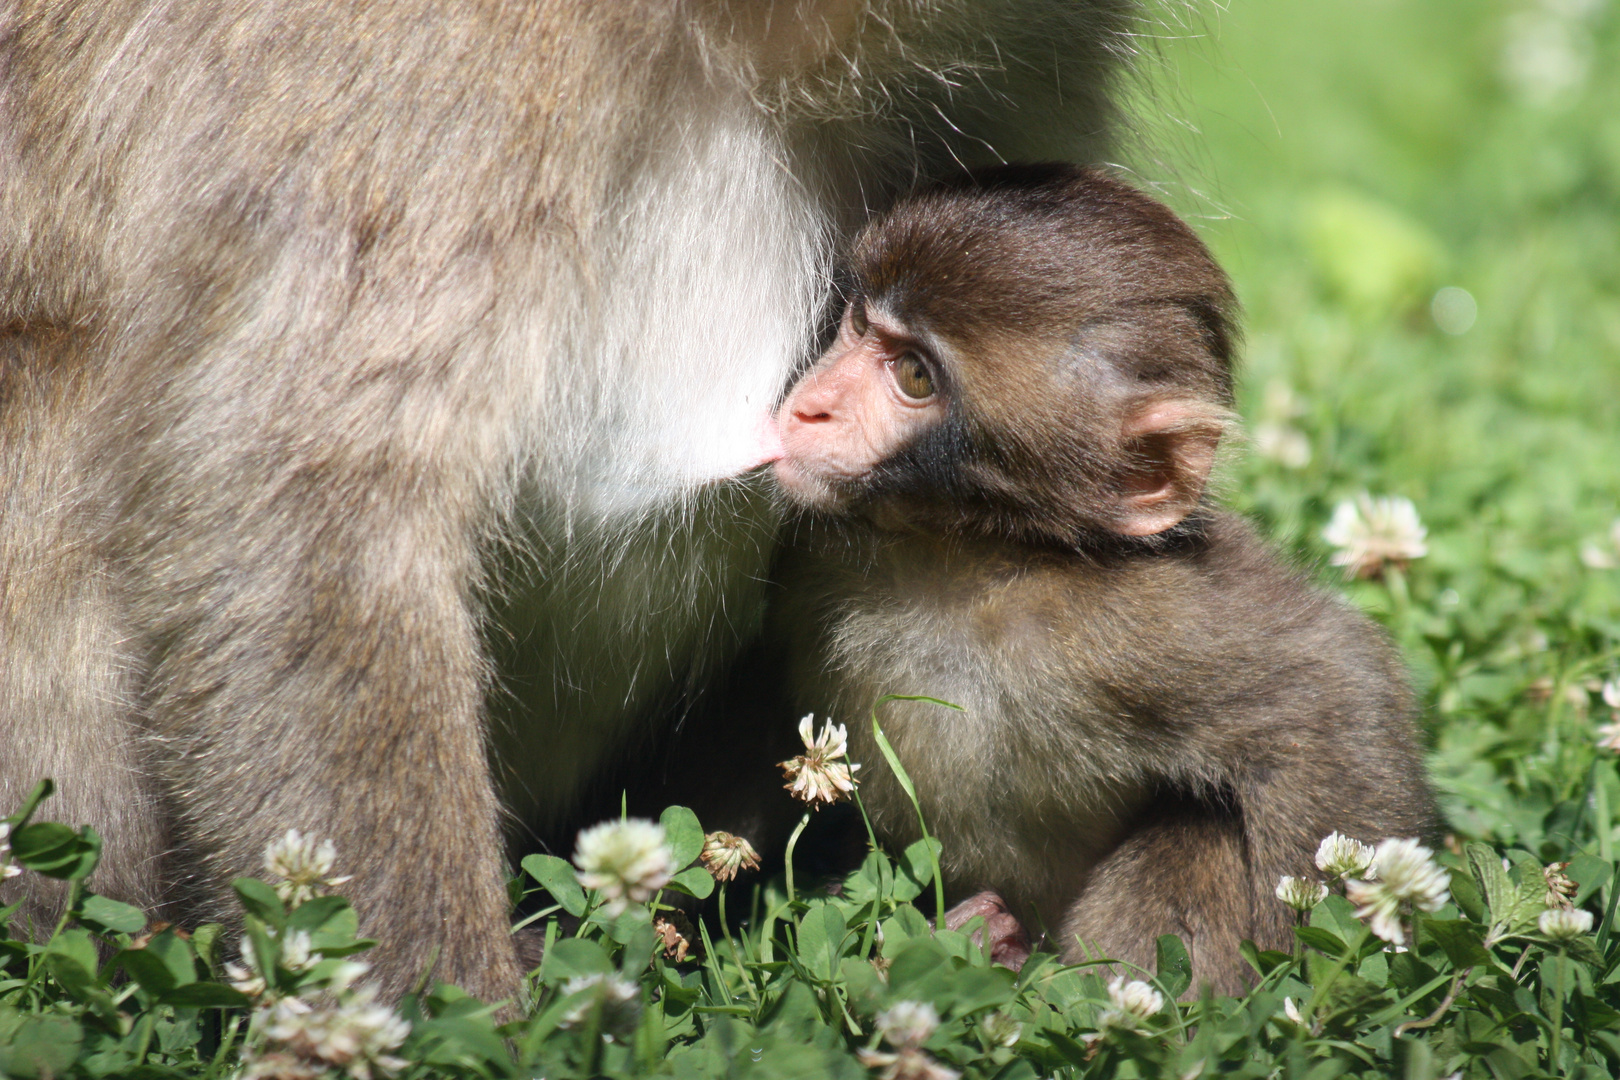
(814, 487)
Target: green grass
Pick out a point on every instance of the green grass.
(1354, 160)
(1346, 162)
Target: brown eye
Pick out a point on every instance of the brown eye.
(857, 318)
(912, 377)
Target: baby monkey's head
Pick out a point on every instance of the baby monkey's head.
(1041, 353)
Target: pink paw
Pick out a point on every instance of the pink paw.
(1009, 941)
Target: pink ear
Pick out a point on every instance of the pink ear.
(1171, 450)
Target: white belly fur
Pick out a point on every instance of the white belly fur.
(646, 568)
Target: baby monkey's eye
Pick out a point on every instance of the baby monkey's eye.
(911, 375)
(857, 318)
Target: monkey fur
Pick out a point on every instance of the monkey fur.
(367, 375)
(1159, 719)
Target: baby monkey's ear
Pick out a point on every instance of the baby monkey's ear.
(1168, 448)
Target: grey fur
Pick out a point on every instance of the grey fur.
(312, 313)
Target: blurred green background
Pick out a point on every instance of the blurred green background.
(1420, 205)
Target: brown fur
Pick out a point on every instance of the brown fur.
(1155, 728)
(314, 313)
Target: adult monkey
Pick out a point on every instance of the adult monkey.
(308, 310)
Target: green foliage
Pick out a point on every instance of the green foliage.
(1357, 159)
(803, 988)
(1359, 165)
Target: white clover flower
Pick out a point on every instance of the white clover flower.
(8, 869)
(244, 980)
(246, 977)
(1275, 436)
(1130, 1004)
(618, 998)
(319, 1030)
(725, 855)
(1281, 402)
(1597, 557)
(367, 1030)
(1301, 894)
(348, 1031)
(1608, 736)
(1380, 909)
(278, 1065)
(1370, 533)
(1282, 443)
(999, 1029)
(906, 1064)
(1408, 869)
(283, 1020)
(626, 861)
(1546, 55)
(1341, 857)
(1563, 924)
(1407, 874)
(295, 953)
(304, 864)
(908, 1023)
(345, 974)
(820, 775)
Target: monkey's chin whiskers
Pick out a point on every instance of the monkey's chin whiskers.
(806, 490)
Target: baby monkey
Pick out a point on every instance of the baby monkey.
(1001, 463)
